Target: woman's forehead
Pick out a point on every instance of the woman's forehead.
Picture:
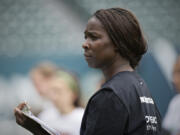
(94, 24)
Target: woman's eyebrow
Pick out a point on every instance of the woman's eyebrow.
(91, 32)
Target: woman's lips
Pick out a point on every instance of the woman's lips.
(87, 56)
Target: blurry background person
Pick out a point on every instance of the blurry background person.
(60, 91)
(66, 114)
(172, 119)
(41, 75)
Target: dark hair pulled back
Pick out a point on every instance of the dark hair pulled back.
(125, 32)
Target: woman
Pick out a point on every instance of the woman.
(123, 106)
(115, 44)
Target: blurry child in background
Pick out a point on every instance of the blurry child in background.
(67, 114)
(60, 89)
(172, 119)
(41, 76)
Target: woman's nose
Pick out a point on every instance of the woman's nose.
(85, 45)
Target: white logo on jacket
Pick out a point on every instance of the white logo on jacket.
(146, 100)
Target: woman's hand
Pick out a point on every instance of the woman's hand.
(20, 117)
(23, 120)
(26, 122)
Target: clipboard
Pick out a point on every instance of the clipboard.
(37, 125)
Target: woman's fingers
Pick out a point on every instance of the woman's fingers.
(20, 118)
(20, 106)
(17, 114)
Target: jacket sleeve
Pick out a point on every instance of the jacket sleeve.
(106, 115)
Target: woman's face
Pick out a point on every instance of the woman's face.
(99, 50)
(176, 75)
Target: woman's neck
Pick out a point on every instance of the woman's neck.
(118, 65)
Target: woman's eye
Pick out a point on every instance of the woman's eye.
(94, 37)
(90, 36)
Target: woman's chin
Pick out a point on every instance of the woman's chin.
(92, 65)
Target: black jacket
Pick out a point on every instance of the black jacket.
(123, 106)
